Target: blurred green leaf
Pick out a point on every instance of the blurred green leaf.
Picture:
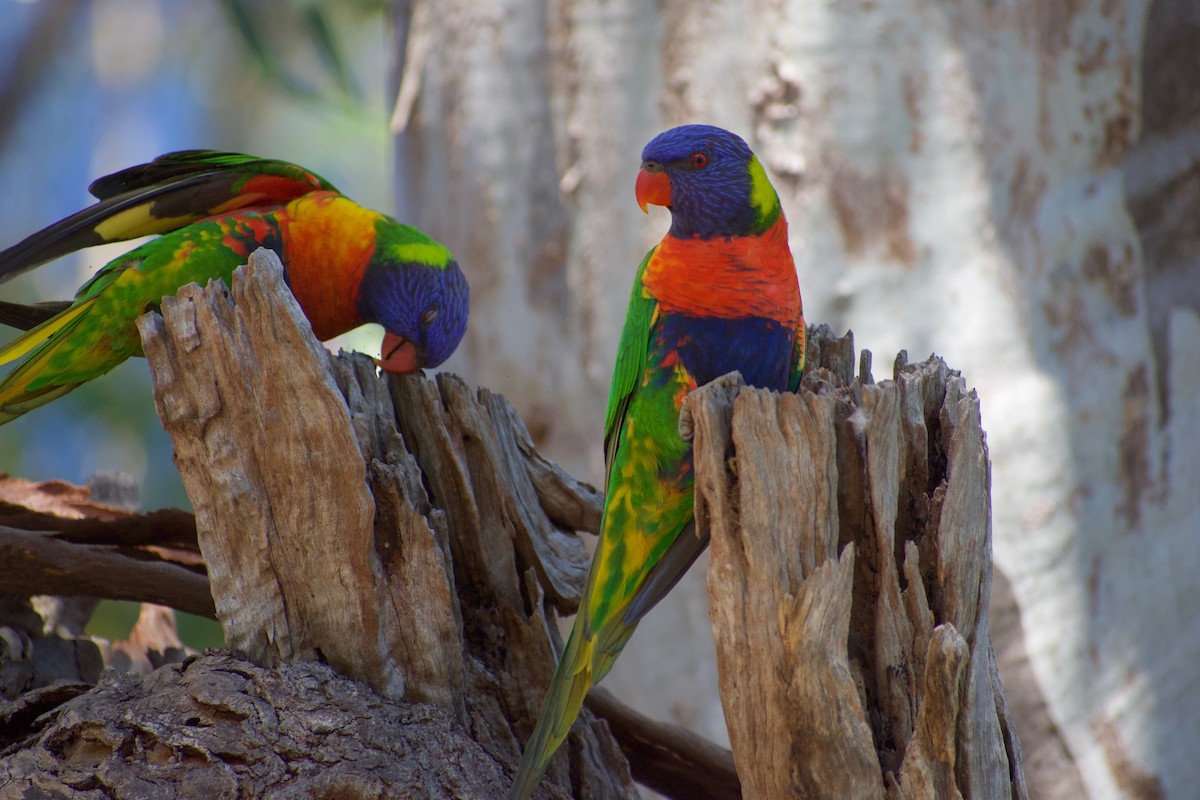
(261, 25)
(330, 51)
(114, 620)
(199, 633)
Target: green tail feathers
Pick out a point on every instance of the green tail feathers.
(572, 679)
(27, 387)
(584, 663)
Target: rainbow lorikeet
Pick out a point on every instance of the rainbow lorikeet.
(346, 265)
(718, 294)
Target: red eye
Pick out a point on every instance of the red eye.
(698, 160)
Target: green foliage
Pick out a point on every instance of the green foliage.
(199, 633)
(318, 28)
(114, 619)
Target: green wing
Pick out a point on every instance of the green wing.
(631, 362)
(584, 659)
(799, 356)
(98, 331)
(184, 165)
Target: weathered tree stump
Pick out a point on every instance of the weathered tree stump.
(325, 501)
(407, 533)
(851, 552)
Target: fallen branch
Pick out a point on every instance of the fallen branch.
(669, 759)
(40, 562)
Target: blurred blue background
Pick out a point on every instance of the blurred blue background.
(90, 88)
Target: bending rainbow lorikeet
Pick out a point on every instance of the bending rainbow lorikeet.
(346, 265)
(718, 294)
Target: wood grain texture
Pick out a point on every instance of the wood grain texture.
(220, 726)
(264, 446)
(403, 530)
(849, 582)
(406, 531)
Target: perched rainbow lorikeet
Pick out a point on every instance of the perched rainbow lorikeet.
(345, 264)
(718, 294)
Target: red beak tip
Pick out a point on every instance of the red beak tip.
(398, 355)
(652, 188)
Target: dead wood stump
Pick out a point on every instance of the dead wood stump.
(851, 563)
(407, 533)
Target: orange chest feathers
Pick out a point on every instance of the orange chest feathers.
(328, 242)
(727, 278)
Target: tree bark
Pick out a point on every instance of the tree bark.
(220, 726)
(1011, 185)
(851, 549)
(407, 533)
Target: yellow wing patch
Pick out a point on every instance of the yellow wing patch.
(137, 221)
(33, 338)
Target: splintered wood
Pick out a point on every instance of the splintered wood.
(252, 440)
(404, 530)
(849, 582)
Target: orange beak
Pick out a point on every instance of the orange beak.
(652, 187)
(399, 354)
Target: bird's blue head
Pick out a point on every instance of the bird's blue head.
(710, 180)
(415, 289)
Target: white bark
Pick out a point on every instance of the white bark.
(1005, 184)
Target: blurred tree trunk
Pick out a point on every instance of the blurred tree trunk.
(1010, 185)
